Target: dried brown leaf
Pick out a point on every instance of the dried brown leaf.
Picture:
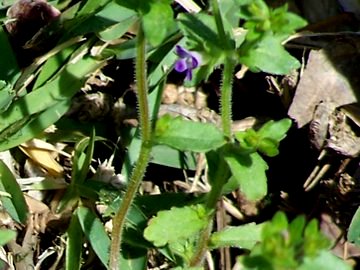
(331, 75)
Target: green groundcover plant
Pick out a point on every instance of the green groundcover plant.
(227, 34)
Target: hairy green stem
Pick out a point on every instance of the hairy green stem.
(202, 245)
(226, 97)
(142, 162)
(221, 175)
(226, 91)
(225, 109)
(218, 181)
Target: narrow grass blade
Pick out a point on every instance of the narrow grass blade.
(74, 244)
(95, 233)
(14, 205)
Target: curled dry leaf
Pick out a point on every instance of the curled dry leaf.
(331, 75)
(342, 137)
(320, 122)
(42, 153)
(336, 128)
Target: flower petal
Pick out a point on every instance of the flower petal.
(188, 75)
(196, 59)
(181, 65)
(192, 63)
(181, 52)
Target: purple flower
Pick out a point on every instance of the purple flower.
(187, 62)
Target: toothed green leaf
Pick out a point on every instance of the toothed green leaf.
(176, 224)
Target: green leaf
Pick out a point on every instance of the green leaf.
(132, 259)
(133, 4)
(248, 140)
(325, 260)
(187, 135)
(249, 171)
(245, 236)
(274, 251)
(218, 170)
(184, 249)
(314, 239)
(157, 21)
(268, 147)
(117, 30)
(123, 17)
(7, 94)
(167, 156)
(132, 154)
(9, 70)
(260, 19)
(95, 233)
(266, 140)
(296, 230)
(231, 185)
(201, 33)
(253, 10)
(279, 223)
(143, 208)
(353, 234)
(227, 8)
(275, 130)
(91, 6)
(135, 217)
(150, 203)
(15, 205)
(31, 126)
(27, 117)
(290, 246)
(81, 164)
(58, 90)
(260, 57)
(176, 224)
(125, 50)
(82, 160)
(6, 236)
(284, 22)
(53, 65)
(93, 17)
(74, 244)
(161, 59)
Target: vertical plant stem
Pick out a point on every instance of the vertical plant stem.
(226, 97)
(221, 175)
(226, 91)
(140, 167)
(219, 179)
(202, 247)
